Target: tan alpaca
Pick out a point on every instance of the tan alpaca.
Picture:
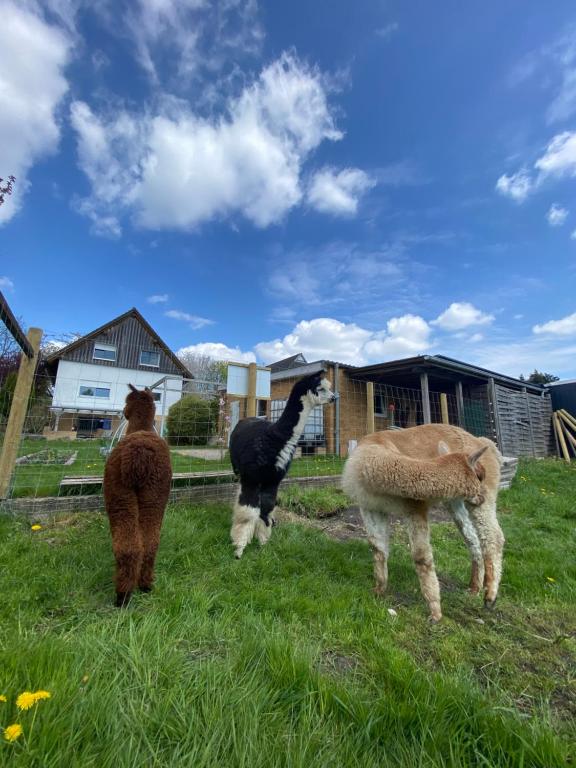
(400, 472)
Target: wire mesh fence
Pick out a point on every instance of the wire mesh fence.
(75, 418)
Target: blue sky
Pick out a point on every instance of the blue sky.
(361, 181)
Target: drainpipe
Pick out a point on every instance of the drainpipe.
(337, 410)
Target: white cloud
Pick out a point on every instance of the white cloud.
(560, 156)
(327, 338)
(33, 55)
(177, 170)
(218, 351)
(198, 34)
(158, 298)
(388, 31)
(194, 321)
(461, 315)
(6, 284)
(564, 327)
(556, 215)
(517, 186)
(338, 192)
(404, 337)
(476, 337)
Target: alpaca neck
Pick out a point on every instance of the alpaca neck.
(140, 423)
(291, 425)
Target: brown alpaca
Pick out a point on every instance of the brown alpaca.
(136, 488)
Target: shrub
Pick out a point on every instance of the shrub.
(191, 421)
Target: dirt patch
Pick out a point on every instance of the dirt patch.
(333, 662)
(210, 454)
(347, 524)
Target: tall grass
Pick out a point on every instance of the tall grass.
(285, 658)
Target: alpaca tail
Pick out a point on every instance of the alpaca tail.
(138, 464)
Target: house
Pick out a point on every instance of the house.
(91, 375)
(419, 390)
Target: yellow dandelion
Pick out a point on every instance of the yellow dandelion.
(41, 695)
(2, 697)
(36, 527)
(12, 732)
(26, 700)
(551, 579)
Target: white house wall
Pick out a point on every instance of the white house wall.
(70, 376)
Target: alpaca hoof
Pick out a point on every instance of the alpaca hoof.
(489, 604)
(379, 591)
(435, 618)
(122, 599)
(238, 554)
(474, 589)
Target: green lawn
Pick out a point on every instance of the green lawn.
(44, 479)
(285, 658)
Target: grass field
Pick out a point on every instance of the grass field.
(285, 658)
(44, 479)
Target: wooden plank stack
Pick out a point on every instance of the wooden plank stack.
(565, 431)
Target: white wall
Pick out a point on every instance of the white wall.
(71, 375)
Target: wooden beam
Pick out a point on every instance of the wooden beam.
(460, 405)
(251, 398)
(370, 421)
(569, 435)
(495, 413)
(18, 409)
(568, 418)
(560, 433)
(14, 327)
(444, 408)
(425, 398)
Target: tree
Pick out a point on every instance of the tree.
(6, 189)
(204, 367)
(538, 377)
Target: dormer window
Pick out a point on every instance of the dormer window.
(151, 358)
(104, 352)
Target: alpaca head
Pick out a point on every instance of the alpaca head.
(140, 406)
(470, 472)
(314, 390)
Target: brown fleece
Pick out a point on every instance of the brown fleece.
(136, 488)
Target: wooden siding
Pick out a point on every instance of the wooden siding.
(130, 338)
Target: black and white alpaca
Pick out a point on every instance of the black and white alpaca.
(261, 453)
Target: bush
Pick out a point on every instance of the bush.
(191, 421)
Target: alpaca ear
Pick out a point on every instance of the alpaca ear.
(472, 458)
(147, 389)
(132, 388)
(442, 448)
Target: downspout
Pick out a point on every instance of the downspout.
(337, 410)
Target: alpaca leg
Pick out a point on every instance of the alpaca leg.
(245, 517)
(151, 505)
(126, 543)
(377, 528)
(468, 530)
(492, 543)
(266, 520)
(419, 534)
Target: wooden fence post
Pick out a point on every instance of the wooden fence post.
(18, 411)
(460, 405)
(370, 422)
(426, 416)
(493, 399)
(444, 408)
(251, 398)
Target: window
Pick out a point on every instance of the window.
(261, 409)
(157, 397)
(93, 391)
(104, 352)
(150, 358)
